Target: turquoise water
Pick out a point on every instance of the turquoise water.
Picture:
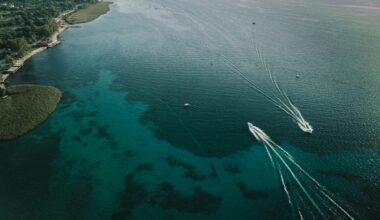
(121, 145)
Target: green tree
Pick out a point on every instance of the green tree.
(49, 27)
(20, 46)
(3, 90)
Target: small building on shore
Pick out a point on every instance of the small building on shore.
(45, 43)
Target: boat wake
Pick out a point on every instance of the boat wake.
(284, 100)
(320, 203)
(279, 99)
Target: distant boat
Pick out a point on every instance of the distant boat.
(186, 105)
(297, 76)
(253, 22)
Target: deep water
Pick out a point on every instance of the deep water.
(121, 144)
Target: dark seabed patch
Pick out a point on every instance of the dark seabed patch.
(144, 167)
(129, 153)
(190, 171)
(175, 124)
(76, 138)
(77, 198)
(232, 168)
(24, 182)
(198, 202)
(92, 123)
(79, 115)
(252, 193)
(345, 175)
(85, 131)
(103, 132)
(68, 98)
(74, 183)
(132, 196)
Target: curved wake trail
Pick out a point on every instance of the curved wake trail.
(282, 98)
(319, 192)
(278, 103)
(288, 108)
(297, 116)
(282, 101)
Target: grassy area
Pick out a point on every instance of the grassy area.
(25, 108)
(89, 13)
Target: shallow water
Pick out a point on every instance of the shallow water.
(121, 144)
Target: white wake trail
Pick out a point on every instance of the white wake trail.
(285, 188)
(320, 191)
(291, 109)
(323, 190)
(269, 155)
(299, 183)
(278, 103)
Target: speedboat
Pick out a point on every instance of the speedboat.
(257, 132)
(306, 127)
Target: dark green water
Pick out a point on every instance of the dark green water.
(121, 145)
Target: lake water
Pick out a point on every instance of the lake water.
(121, 144)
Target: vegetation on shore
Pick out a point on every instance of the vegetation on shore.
(26, 26)
(88, 12)
(23, 24)
(25, 107)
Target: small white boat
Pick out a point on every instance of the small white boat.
(186, 105)
(258, 133)
(306, 127)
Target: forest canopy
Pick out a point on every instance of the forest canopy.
(23, 23)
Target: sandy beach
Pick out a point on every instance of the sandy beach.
(20, 62)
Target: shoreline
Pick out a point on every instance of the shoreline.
(53, 41)
(50, 42)
(28, 105)
(20, 62)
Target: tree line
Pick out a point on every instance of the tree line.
(24, 22)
